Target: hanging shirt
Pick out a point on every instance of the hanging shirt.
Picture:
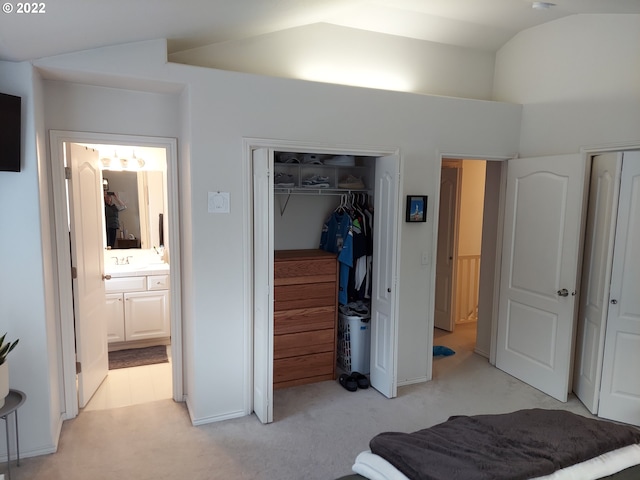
(337, 237)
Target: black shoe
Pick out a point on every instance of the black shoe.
(348, 382)
(361, 380)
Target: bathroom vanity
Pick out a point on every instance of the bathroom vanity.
(137, 305)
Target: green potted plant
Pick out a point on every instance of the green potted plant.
(5, 349)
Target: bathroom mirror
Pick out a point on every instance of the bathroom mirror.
(143, 192)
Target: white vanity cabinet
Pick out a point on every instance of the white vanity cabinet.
(138, 308)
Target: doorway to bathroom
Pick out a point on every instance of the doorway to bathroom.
(123, 295)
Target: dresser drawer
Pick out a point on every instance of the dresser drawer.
(287, 297)
(158, 282)
(304, 343)
(305, 366)
(304, 319)
(308, 271)
(125, 284)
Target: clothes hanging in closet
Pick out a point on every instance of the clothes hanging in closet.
(348, 233)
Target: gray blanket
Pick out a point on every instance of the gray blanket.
(519, 445)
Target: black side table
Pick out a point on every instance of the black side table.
(12, 402)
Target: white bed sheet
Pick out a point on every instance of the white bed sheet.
(374, 467)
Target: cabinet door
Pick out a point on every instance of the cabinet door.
(146, 315)
(115, 317)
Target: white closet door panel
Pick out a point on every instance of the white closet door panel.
(263, 285)
(596, 276)
(620, 390)
(383, 318)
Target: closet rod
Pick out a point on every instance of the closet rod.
(314, 191)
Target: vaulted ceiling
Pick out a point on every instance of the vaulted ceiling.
(72, 25)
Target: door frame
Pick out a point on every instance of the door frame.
(249, 145)
(443, 157)
(67, 352)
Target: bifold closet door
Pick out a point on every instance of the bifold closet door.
(263, 285)
(620, 388)
(596, 276)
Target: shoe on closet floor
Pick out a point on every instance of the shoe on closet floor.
(348, 382)
(361, 380)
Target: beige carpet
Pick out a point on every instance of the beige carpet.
(318, 430)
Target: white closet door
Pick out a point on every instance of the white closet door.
(620, 390)
(539, 270)
(263, 285)
(384, 326)
(596, 277)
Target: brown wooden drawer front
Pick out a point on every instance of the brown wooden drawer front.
(304, 320)
(289, 297)
(308, 271)
(303, 343)
(305, 366)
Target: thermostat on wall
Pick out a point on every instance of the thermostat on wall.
(218, 202)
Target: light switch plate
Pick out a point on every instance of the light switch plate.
(218, 202)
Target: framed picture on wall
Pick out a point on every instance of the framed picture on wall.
(416, 208)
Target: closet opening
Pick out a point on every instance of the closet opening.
(325, 247)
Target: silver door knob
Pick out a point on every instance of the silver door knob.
(106, 277)
(563, 293)
(614, 301)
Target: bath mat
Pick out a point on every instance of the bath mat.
(136, 357)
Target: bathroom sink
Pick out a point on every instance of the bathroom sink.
(137, 269)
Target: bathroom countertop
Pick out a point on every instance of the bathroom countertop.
(134, 270)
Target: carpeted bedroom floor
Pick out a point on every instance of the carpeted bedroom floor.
(318, 430)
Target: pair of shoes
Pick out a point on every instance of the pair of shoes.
(363, 382)
(348, 382)
(354, 381)
(281, 179)
(316, 181)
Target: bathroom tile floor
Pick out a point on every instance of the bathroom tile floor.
(132, 386)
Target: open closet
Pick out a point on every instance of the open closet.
(323, 244)
(301, 273)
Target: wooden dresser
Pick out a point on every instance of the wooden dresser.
(305, 317)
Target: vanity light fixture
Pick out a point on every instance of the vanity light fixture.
(138, 161)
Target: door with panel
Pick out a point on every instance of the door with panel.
(447, 249)
(542, 228)
(620, 388)
(596, 277)
(86, 209)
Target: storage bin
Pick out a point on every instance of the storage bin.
(354, 343)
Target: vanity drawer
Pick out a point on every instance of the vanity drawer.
(125, 284)
(157, 282)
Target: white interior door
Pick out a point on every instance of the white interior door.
(383, 318)
(263, 285)
(620, 389)
(596, 277)
(446, 252)
(539, 265)
(87, 255)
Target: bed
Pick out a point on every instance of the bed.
(528, 444)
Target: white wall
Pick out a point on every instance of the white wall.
(330, 53)
(26, 278)
(579, 81)
(216, 110)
